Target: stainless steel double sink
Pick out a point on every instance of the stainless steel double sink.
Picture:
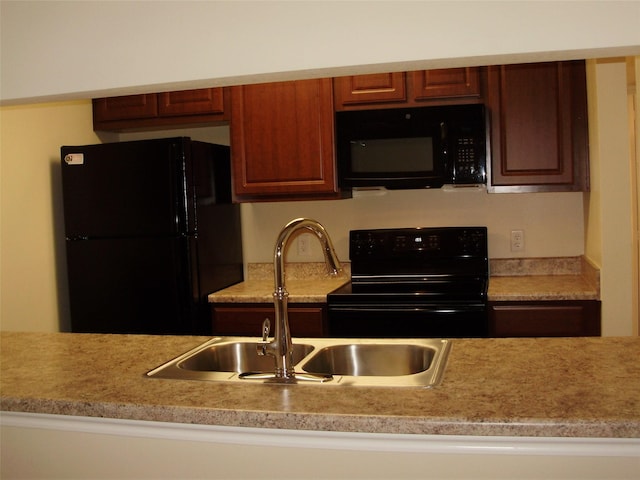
(355, 362)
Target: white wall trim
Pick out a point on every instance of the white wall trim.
(380, 442)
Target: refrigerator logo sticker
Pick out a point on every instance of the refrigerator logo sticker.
(74, 159)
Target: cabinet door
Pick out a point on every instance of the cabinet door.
(167, 109)
(538, 127)
(282, 140)
(408, 89)
(125, 107)
(304, 320)
(191, 102)
(545, 319)
(448, 82)
(367, 89)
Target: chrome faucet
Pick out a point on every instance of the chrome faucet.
(281, 347)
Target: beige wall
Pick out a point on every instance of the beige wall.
(634, 73)
(32, 272)
(552, 222)
(637, 160)
(609, 206)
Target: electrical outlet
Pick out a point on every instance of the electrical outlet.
(517, 240)
(304, 245)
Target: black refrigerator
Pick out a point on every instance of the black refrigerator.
(150, 231)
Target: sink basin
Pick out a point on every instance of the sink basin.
(379, 359)
(236, 357)
(347, 362)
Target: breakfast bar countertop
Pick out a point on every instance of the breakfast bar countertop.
(542, 387)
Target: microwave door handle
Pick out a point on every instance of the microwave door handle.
(444, 149)
(443, 131)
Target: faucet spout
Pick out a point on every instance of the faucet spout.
(327, 246)
(281, 348)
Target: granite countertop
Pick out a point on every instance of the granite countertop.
(572, 387)
(566, 278)
(305, 283)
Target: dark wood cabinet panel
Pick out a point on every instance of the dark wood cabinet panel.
(373, 88)
(449, 82)
(539, 131)
(282, 140)
(167, 109)
(545, 319)
(408, 89)
(191, 102)
(125, 107)
(306, 320)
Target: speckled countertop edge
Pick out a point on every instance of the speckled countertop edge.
(524, 279)
(305, 283)
(540, 279)
(580, 387)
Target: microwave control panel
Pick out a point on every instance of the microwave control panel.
(467, 164)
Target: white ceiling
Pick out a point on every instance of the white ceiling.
(72, 49)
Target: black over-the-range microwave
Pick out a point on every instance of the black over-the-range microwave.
(420, 147)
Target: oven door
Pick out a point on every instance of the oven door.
(403, 320)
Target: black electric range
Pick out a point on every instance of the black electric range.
(413, 282)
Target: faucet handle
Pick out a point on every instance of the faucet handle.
(266, 327)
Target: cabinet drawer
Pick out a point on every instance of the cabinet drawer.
(545, 319)
(305, 321)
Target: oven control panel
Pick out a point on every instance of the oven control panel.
(412, 243)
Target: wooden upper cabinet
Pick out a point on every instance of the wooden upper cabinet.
(282, 141)
(191, 102)
(539, 134)
(449, 82)
(408, 89)
(125, 107)
(167, 109)
(373, 88)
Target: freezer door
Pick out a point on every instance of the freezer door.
(133, 286)
(126, 189)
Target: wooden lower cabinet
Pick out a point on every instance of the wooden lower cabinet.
(579, 318)
(305, 320)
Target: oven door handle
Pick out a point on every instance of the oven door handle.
(448, 309)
